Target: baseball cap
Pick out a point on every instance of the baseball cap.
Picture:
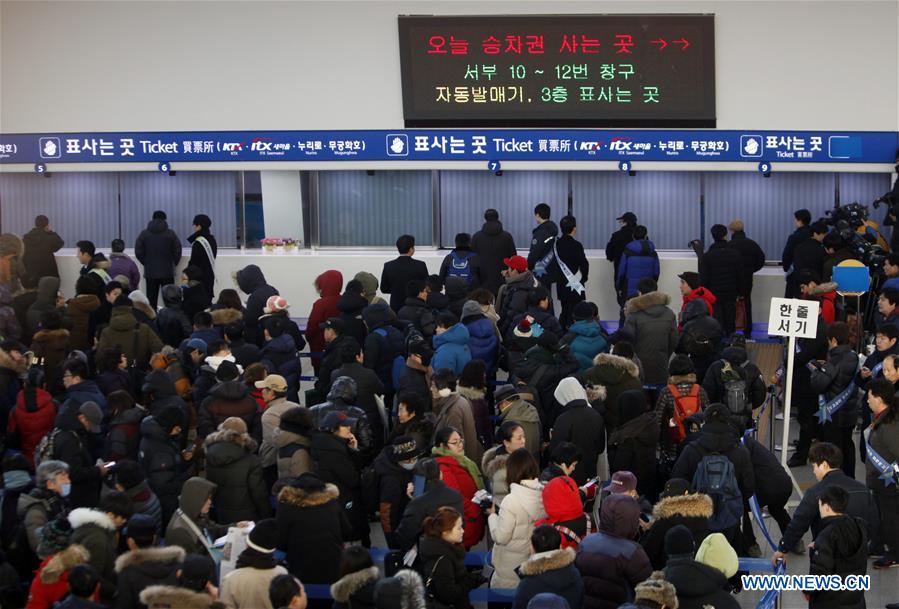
(691, 278)
(196, 344)
(335, 419)
(275, 304)
(275, 382)
(516, 263)
(622, 482)
(335, 323)
(93, 414)
(675, 487)
(629, 217)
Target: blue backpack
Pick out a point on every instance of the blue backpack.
(460, 267)
(715, 476)
(399, 361)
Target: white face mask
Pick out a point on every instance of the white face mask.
(407, 466)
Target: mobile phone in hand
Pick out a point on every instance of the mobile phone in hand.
(418, 486)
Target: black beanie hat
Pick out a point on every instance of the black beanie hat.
(227, 371)
(582, 310)
(309, 482)
(679, 542)
(548, 341)
(264, 536)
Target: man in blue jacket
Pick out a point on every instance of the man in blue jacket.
(638, 260)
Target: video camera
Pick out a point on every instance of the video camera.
(846, 220)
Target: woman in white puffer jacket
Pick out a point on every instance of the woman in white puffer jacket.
(511, 528)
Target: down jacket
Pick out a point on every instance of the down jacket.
(717, 437)
(616, 374)
(458, 477)
(639, 260)
(356, 590)
(553, 572)
(232, 465)
(32, 425)
(329, 285)
(511, 531)
(652, 327)
(144, 567)
(121, 332)
(586, 340)
(693, 511)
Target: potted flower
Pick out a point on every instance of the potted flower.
(289, 244)
(270, 243)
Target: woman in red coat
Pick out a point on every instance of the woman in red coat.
(329, 285)
(33, 415)
(460, 473)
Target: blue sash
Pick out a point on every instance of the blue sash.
(876, 369)
(826, 409)
(888, 471)
(542, 265)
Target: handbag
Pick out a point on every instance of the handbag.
(429, 588)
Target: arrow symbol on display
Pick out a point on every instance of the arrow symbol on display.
(659, 41)
(683, 41)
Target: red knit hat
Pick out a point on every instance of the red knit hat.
(562, 500)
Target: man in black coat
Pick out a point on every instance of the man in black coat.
(721, 271)
(436, 495)
(826, 460)
(40, 244)
(334, 333)
(251, 281)
(808, 256)
(803, 218)
(200, 255)
(71, 446)
(144, 564)
(735, 366)
(580, 424)
(831, 380)
(401, 270)
(415, 310)
(615, 247)
(571, 254)
(368, 385)
(159, 250)
(492, 244)
(542, 240)
(774, 493)
(753, 261)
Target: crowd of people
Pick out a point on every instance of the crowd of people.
(456, 413)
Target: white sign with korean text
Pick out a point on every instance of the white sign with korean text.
(793, 317)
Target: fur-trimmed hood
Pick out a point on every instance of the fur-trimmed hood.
(144, 308)
(80, 517)
(160, 597)
(696, 505)
(223, 317)
(141, 556)
(646, 301)
(232, 437)
(472, 393)
(296, 497)
(63, 561)
(405, 590)
(616, 361)
(547, 561)
(50, 335)
(6, 361)
(348, 585)
(678, 379)
(492, 462)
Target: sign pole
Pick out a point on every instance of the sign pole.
(788, 399)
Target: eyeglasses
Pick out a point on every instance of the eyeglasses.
(66, 376)
(458, 442)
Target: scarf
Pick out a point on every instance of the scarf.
(469, 465)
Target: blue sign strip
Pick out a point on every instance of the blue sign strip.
(452, 145)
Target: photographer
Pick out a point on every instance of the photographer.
(838, 245)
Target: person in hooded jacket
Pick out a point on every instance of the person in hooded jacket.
(172, 322)
(203, 252)
(543, 367)
(698, 585)
(47, 300)
(611, 375)
(233, 466)
(652, 327)
(358, 575)
(701, 337)
(461, 473)
(383, 344)
(677, 505)
(579, 424)
(483, 339)
(159, 250)
(279, 354)
(456, 295)
(328, 286)
(342, 399)
(229, 398)
(450, 344)
(350, 307)
(721, 271)
(633, 444)
(9, 322)
(97, 530)
(453, 410)
(564, 505)
(639, 260)
(831, 379)
(160, 454)
(735, 366)
(840, 548)
(415, 310)
(492, 245)
(393, 467)
(144, 564)
(130, 479)
(33, 415)
(585, 337)
(610, 562)
(40, 245)
(252, 282)
(80, 311)
(443, 558)
(136, 340)
(335, 452)
(549, 569)
(368, 385)
(190, 527)
(511, 526)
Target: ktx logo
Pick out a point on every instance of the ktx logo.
(590, 146)
(233, 146)
(261, 144)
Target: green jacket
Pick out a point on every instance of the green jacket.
(527, 416)
(121, 331)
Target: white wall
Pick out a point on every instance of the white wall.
(169, 66)
(294, 275)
